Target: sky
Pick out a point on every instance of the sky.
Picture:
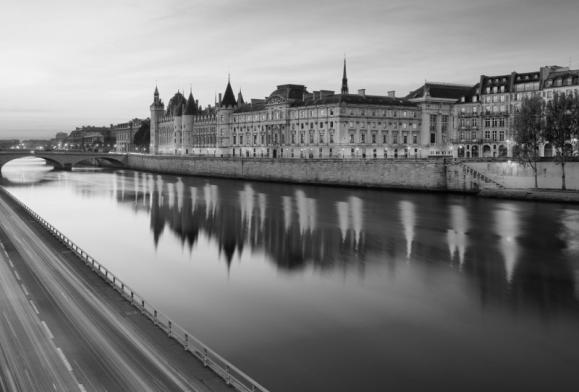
(68, 63)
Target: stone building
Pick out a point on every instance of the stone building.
(290, 123)
(486, 114)
(124, 135)
(435, 120)
(436, 102)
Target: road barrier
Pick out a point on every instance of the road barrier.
(227, 371)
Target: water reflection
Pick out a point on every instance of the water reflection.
(408, 218)
(300, 251)
(456, 236)
(507, 227)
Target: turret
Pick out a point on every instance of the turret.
(224, 119)
(157, 110)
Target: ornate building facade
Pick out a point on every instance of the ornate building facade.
(435, 120)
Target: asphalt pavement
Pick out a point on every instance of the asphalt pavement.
(62, 328)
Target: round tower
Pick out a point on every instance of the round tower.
(224, 121)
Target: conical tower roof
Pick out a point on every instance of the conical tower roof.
(191, 107)
(228, 97)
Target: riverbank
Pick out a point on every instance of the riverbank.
(102, 339)
(546, 195)
(432, 175)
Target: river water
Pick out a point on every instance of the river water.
(311, 288)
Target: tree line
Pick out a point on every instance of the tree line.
(539, 122)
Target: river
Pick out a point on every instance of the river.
(312, 288)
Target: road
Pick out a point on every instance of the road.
(63, 329)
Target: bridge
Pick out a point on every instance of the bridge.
(64, 160)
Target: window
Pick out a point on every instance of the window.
(351, 138)
(373, 138)
(415, 139)
(487, 122)
(302, 137)
(502, 136)
(321, 138)
(405, 138)
(501, 122)
(487, 135)
(495, 136)
(433, 118)
(331, 138)
(394, 137)
(433, 138)
(362, 138)
(384, 137)
(444, 123)
(311, 138)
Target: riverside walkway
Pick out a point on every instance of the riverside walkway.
(63, 328)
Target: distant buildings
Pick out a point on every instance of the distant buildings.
(437, 119)
(124, 135)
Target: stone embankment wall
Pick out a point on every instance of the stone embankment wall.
(417, 175)
(428, 175)
(514, 175)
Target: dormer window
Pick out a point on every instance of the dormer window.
(474, 98)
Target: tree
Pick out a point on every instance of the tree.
(142, 137)
(561, 126)
(529, 126)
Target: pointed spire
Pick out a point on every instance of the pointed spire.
(191, 106)
(240, 100)
(344, 79)
(228, 96)
(156, 94)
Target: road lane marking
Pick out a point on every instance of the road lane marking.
(10, 262)
(48, 333)
(25, 290)
(81, 387)
(34, 307)
(17, 276)
(64, 360)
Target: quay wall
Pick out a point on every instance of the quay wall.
(417, 175)
(515, 175)
(427, 175)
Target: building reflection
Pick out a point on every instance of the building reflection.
(408, 219)
(296, 227)
(456, 235)
(506, 221)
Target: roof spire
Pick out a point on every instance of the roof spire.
(344, 79)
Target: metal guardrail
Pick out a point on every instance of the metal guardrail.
(232, 376)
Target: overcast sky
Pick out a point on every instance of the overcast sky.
(67, 63)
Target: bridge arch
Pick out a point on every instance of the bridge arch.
(63, 161)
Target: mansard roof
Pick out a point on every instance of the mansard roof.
(440, 90)
(289, 91)
(468, 97)
(354, 99)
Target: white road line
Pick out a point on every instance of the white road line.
(66, 363)
(48, 333)
(10, 262)
(17, 276)
(25, 290)
(34, 307)
(81, 387)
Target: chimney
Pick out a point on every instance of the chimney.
(392, 93)
(362, 92)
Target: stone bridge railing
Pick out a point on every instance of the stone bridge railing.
(63, 160)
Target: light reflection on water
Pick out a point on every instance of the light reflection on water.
(316, 288)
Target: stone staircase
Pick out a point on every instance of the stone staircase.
(483, 180)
